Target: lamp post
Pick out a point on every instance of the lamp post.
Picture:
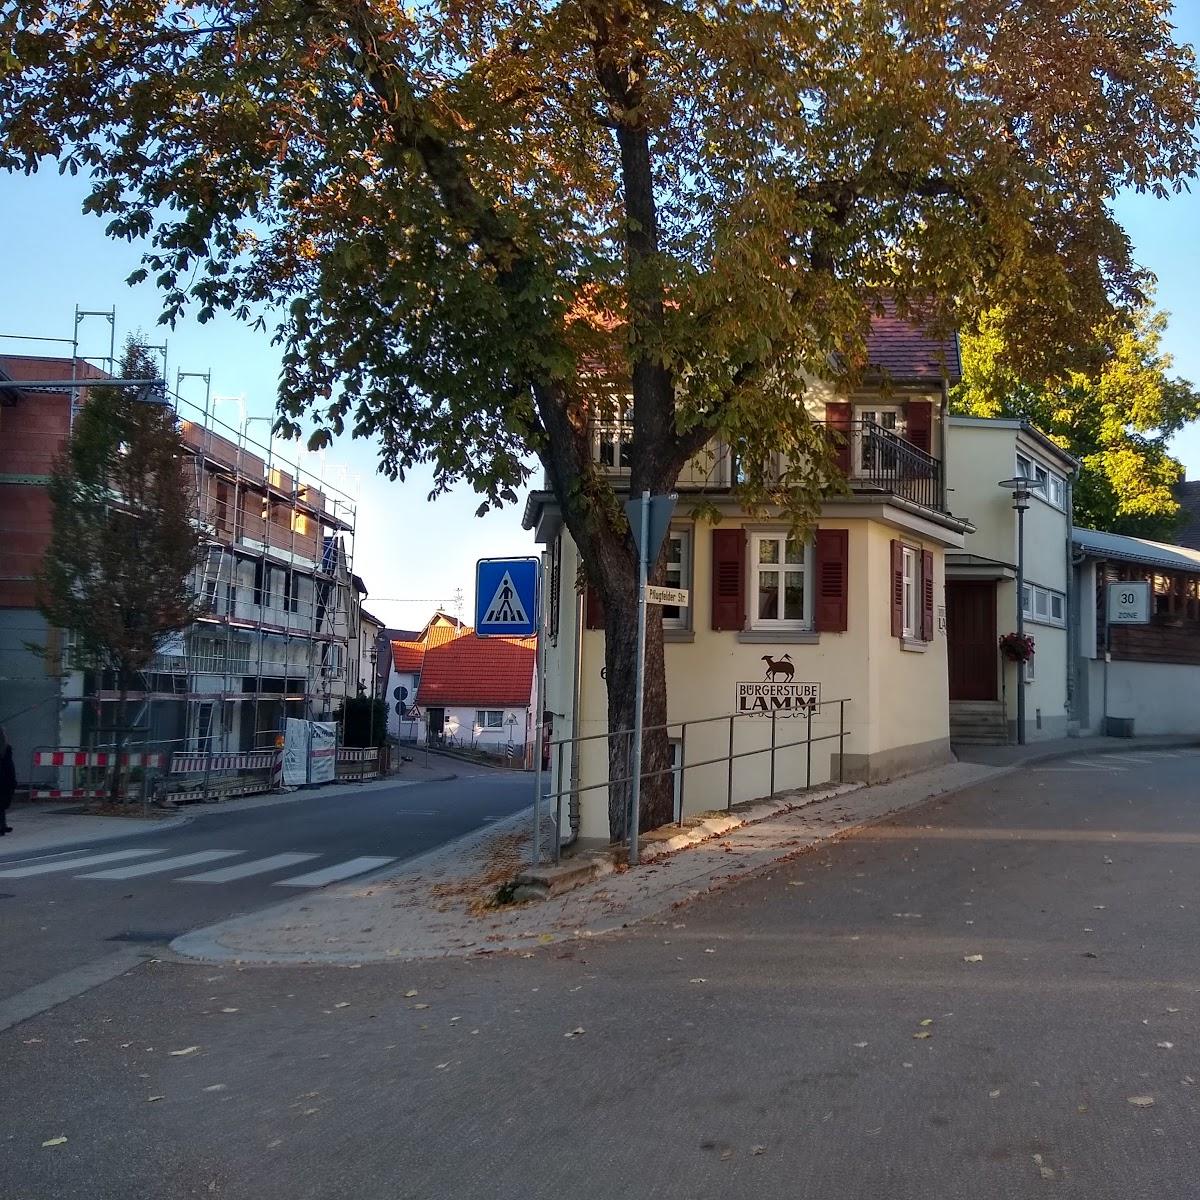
(1020, 487)
(374, 657)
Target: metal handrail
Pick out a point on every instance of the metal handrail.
(684, 766)
(885, 460)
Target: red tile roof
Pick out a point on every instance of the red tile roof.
(408, 653)
(470, 671)
(902, 349)
(408, 656)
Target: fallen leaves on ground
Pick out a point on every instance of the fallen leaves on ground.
(1141, 1101)
(1165, 1045)
(410, 993)
(54, 1141)
(697, 980)
(420, 1006)
(578, 1031)
(924, 1033)
(972, 958)
(185, 1051)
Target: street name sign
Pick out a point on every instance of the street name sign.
(506, 596)
(666, 595)
(1129, 603)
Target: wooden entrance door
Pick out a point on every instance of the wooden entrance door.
(971, 638)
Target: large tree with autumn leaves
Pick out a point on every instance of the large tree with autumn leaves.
(478, 226)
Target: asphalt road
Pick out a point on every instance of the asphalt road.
(768, 1041)
(64, 920)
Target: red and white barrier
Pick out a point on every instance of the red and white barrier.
(67, 793)
(195, 764)
(94, 758)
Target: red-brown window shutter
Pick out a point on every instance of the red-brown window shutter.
(593, 608)
(833, 568)
(897, 589)
(837, 421)
(926, 596)
(729, 579)
(920, 424)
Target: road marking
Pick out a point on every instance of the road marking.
(1094, 766)
(163, 864)
(70, 864)
(352, 866)
(241, 870)
(417, 812)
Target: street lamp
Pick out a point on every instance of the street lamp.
(1020, 487)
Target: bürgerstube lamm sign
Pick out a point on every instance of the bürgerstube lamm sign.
(781, 697)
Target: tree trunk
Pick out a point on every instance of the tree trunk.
(620, 670)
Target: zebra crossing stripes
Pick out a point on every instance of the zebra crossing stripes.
(70, 864)
(119, 865)
(159, 865)
(354, 866)
(258, 866)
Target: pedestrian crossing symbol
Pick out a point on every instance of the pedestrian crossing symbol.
(505, 608)
(506, 597)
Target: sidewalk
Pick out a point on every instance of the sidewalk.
(38, 826)
(1035, 752)
(437, 905)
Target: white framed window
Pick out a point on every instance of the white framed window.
(1058, 492)
(1047, 485)
(612, 439)
(911, 596)
(489, 718)
(679, 575)
(781, 568)
(1042, 605)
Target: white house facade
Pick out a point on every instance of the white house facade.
(841, 630)
(981, 595)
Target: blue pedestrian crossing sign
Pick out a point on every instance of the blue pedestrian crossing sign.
(506, 597)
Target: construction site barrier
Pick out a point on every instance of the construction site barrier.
(67, 793)
(355, 763)
(198, 764)
(94, 758)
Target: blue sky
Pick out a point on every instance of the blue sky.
(412, 553)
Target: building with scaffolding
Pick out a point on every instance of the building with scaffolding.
(278, 631)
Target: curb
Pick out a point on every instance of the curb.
(709, 826)
(104, 835)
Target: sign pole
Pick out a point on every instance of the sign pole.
(539, 718)
(635, 783)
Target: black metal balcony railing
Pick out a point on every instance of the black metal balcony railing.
(872, 458)
(881, 460)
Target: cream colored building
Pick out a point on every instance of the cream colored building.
(854, 613)
(981, 598)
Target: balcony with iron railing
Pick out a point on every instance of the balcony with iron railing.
(873, 459)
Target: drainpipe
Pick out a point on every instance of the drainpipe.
(945, 443)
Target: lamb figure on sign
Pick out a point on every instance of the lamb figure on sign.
(777, 667)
